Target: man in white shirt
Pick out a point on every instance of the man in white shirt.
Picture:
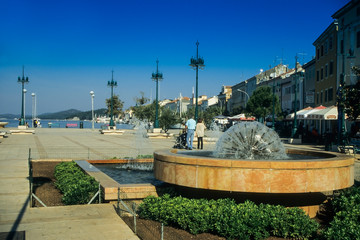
(190, 128)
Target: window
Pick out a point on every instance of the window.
(330, 94)
(326, 47)
(317, 98)
(321, 97)
(326, 71)
(331, 70)
(322, 74)
(322, 50)
(317, 75)
(330, 43)
(288, 90)
(358, 39)
(326, 95)
(318, 53)
(342, 46)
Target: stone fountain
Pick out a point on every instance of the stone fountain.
(250, 159)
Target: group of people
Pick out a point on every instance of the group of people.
(193, 128)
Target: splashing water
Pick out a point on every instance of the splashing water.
(141, 145)
(250, 140)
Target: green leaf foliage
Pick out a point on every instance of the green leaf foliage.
(117, 105)
(345, 224)
(77, 187)
(226, 218)
(167, 118)
(260, 103)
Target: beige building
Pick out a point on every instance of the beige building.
(224, 96)
(325, 67)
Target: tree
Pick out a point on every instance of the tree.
(167, 118)
(260, 103)
(145, 112)
(117, 105)
(352, 93)
(210, 113)
(141, 100)
(237, 110)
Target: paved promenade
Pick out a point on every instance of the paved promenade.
(68, 222)
(98, 221)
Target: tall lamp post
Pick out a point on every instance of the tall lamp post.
(273, 110)
(294, 130)
(197, 63)
(92, 94)
(22, 80)
(112, 84)
(157, 76)
(33, 108)
(340, 91)
(24, 92)
(245, 94)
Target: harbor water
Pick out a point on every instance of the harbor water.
(48, 123)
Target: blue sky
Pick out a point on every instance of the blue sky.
(70, 47)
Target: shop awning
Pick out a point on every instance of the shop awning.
(330, 113)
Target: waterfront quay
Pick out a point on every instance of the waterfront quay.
(96, 221)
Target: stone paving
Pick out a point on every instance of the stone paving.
(70, 222)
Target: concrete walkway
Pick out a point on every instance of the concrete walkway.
(66, 222)
(69, 222)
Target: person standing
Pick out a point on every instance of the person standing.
(200, 132)
(190, 129)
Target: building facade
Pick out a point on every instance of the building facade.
(325, 67)
(309, 84)
(348, 41)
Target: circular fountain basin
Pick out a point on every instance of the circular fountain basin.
(328, 172)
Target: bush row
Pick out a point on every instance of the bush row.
(77, 187)
(345, 224)
(226, 218)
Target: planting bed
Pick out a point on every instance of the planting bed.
(45, 189)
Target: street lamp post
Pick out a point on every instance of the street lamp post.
(197, 63)
(112, 84)
(341, 107)
(245, 94)
(273, 110)
(24, 92)
(294, 130)
(33, 108)
(92, 94)
(157, 76)
(22, 80)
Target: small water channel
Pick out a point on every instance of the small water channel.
(130, 173)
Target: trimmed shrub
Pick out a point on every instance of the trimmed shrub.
(226, 218)
(77, 187)
(345, 224)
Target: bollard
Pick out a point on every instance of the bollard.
(134, 213)
(118, 201)
(162, 231)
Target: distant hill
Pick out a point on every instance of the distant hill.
(67, 114)
(9, 116)
(60, 115)
(71, 113)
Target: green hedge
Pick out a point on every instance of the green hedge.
(77, 187)
(226, 218)
(346, 223)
